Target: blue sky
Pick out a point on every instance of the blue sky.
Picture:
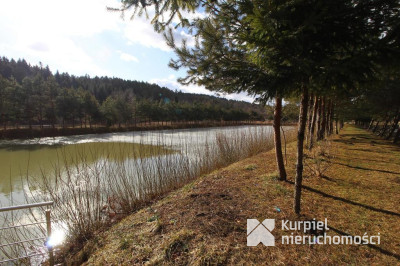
(81, 37)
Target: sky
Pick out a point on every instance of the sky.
(81, 37)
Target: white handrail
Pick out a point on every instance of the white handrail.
(26, 206)
(48, 227)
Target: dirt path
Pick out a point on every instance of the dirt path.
(205, 222)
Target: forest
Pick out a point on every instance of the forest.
(34, 96)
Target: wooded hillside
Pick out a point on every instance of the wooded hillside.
(33, 95)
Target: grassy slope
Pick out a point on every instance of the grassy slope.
(205, 222)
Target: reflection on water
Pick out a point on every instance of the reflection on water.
(19, 158)
(56, 238)
(20, 161)
(29, 162)
(36, 157)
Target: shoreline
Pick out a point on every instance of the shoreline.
(26, 133)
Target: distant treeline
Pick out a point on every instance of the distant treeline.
(33, 95)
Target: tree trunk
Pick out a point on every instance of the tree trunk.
(300, 142)
(336, 126)
(384, 128)
(376, 127)
(313, 122)
(319, 116)
(331, 119)
(394, 125)
(328, 118)
(277, 138)
(397, 136)
(310, 115)
(370, 124)
(321, 132)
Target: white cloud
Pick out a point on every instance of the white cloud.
(239, 97)
(39, 46)
(188, 15)
(47, 30)
(52, 32)
(141, 31)
(60, 53)
(172, 84)
(54, 18)
(128, 57)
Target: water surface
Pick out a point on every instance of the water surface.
(35, 157)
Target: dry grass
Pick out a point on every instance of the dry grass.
(204, 223)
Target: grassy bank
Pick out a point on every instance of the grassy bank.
(205, 221)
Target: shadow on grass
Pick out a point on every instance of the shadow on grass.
(368, 169)
(363, 159)
(373, 151)
(350, 201)
(356, 138)
(373, 246)
(346, 200)
(328, 178)
(366, 138)
(381, 250)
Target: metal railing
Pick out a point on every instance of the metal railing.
(48, 231)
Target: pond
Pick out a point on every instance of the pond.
(85, 174)
(21, 159)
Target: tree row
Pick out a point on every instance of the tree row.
(39, 98)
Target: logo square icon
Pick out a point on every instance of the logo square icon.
(260, 232)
